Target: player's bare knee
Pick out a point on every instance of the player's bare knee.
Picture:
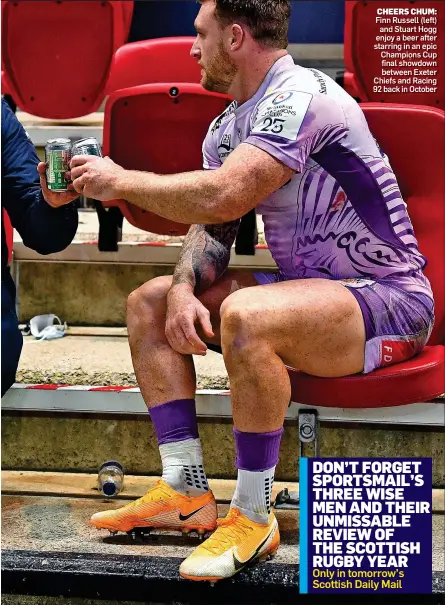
(147, 302)
(240, 327)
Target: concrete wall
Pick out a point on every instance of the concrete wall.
(82, 443)
(81, 294)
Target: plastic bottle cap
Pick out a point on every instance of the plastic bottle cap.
(112, 463)
(109, 488)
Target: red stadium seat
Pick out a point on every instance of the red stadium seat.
(363, 63)
(422, 184)
(127, 9)
(9, 233)
(57, 55)
(153, 62)
(135, 140)
(5, 85)
(162, 61)
(158, 128)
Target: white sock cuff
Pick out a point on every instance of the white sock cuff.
(186, 453)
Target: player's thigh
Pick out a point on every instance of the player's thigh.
(314, 325)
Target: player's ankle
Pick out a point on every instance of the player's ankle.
(176, 478)
(183, 467)
(257, 456)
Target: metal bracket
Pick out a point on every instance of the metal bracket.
(308, 428)
(287, 500)
(110, 227)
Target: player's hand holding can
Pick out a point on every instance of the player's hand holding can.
(95, 177)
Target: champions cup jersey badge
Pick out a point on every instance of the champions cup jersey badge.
(282, 97)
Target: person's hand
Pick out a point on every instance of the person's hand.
(184, 310)
(95, 177)
(55, 198)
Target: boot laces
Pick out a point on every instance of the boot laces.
(228, 531)
(148, 497)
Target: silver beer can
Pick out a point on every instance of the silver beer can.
(88, 146)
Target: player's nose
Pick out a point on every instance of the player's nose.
(195, 53)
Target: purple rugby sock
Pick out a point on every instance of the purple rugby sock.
(257, 451)
(175, 421)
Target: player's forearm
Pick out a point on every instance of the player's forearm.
(189, 197)
(205, 255)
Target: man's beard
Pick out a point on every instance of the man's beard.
(220, 73)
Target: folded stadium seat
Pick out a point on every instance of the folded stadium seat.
(363, 63)
(162, 60)
(158, 128)
(421, 181)
(4, 82)
(153, 62)
(127, 9)
(57, 55)
(134, 139)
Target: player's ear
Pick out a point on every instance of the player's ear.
(237, 36)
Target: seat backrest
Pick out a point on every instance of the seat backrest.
(413, 137)
(152, 62)
(159, 128)
(57, 55)
(127, 16)
(364, 63)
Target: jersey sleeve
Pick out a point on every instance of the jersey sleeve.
(290, 125)
(210, 157)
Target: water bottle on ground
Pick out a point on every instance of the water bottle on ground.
(110, 480)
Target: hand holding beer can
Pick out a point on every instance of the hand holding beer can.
(57, 158)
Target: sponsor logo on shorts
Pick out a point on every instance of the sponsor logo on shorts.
(395, 351)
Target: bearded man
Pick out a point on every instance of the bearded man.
(296, 147)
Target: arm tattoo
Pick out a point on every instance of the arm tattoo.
(205, 254)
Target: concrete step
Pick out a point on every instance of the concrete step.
(98, 360)
(50, 549)
(84, 485)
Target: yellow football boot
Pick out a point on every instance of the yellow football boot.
(162, 508)
(237, 542)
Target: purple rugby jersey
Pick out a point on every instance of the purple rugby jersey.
(342, 215)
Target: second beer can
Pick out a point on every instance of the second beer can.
(88, 146)
(57, 157)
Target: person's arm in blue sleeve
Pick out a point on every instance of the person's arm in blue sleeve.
(42, 227)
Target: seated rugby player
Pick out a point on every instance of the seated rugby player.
(295, 146)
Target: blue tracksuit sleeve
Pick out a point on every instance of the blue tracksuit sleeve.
(42, 228)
